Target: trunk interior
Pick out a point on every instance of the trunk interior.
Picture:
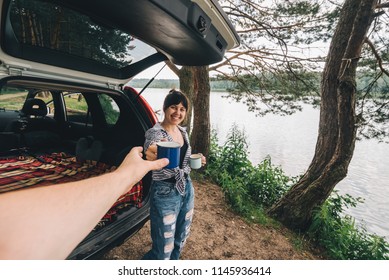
(71, 135)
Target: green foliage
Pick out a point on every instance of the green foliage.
(111, 115)
(277, 64)
(221, 168)
(12, 98)
(157, 83)
(75, 104)
(372, 105)
(101, 43)
(266, 183)
(274, 63)
(220, 84)
(234, 155)
(216, 84)
(316, 20)
(340, 235)
(249, 189)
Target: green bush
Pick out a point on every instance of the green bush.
(246, 187)
(340, 235)
(232, 157)
(250, 190)
(266, 183)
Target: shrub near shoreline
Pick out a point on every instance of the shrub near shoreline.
(250, 190)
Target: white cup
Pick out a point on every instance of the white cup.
(195, 161)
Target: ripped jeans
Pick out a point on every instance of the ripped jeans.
(170, 217)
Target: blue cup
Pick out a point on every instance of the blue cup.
(170, 150)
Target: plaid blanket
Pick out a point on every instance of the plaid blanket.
(131, 198)
(33, 171)
(28, 171)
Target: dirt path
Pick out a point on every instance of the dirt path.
(219, 234)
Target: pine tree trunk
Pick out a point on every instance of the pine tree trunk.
(337, 129)
(186, 77)
(201, 134)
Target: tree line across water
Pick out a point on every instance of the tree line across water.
(380, 90)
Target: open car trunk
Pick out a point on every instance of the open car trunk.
(79, 133)
(65, 113)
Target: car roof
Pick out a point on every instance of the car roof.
(186, 32)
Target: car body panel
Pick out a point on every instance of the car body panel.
(185, 32)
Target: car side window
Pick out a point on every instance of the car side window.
(12, 98)
(47, 97)
(76, 108)
(110, 108)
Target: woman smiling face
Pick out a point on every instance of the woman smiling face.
(175, 114)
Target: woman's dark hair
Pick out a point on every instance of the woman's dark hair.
(175, 97)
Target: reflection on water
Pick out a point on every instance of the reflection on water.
(290, 141)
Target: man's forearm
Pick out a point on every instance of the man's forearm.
(48, 222)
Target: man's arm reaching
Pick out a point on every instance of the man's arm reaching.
(49, 222)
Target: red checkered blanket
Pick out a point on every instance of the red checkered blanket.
(33, 171)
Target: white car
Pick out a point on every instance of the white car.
(65, 110)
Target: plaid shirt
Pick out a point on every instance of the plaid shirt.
(156, 134)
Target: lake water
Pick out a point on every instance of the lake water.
(290, 141)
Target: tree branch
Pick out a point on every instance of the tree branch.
(377, 56)
(383, 5)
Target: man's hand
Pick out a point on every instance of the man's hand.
(67, 212)
(134, 167)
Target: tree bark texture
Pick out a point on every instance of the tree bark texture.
(186, 79)
(337, 127)
(201, 134)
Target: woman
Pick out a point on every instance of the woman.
(172, 193)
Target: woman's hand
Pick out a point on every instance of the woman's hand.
(203, 159)
(134, 167)
(151, 153)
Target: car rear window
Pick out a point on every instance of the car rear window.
(49, 25)
(12, 98)
(110, 108)
(76, 108)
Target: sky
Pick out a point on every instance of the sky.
(166, 73)
(149, 73)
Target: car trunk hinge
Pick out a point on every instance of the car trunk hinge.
(111, 85)
(15, 71)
